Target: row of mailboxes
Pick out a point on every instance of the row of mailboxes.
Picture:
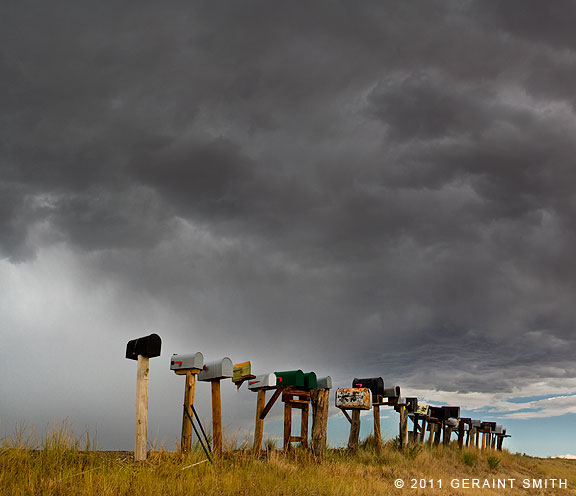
(290, 378)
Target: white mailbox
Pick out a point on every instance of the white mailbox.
(219, 369)
(324, 382)
(187, 361)
(265, 381)
(451, 422)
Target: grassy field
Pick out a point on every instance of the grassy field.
(62, 464)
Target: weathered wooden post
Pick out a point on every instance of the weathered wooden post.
(261, 384)
(190, 365)
(376, 386)
(142, 349)
(213, 372)
(320, 399)
(354, 399)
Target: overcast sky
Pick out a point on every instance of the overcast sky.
(355, 188)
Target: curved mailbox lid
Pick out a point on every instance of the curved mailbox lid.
(265, 381)
(310, 381)
(325, 382)
(187, 361)
(374, 384)
(353, 398)
(290, 378)
(476, 423)
(219, 369)
(392, 392)
(147, 346)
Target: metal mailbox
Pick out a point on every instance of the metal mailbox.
(488, 426)
(290, 378)
(451, 422)
(353, 398)
(452, 411)
(324, 382)
(499, 429)
(374, 384)
(219, 369)
(391, 392)
(242, 371)
(187, 361)
(422, 410)
(265, 381)
(476, 423)
(147, 346)
(438, 413)
(310, 380)
(411, 404)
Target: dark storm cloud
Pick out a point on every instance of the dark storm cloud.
(389, 181)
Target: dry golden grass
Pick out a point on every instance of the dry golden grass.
(62, 464)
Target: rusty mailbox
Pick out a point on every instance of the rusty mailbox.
(218, 369)
(353, 398)
(374, 384)
(187, 361)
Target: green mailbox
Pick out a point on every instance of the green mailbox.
(310, 381)
(290, 378)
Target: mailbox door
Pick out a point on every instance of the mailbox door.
(266, 381)
(187, 361)
(325, 382)
(241, 371)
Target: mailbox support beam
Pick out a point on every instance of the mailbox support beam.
(259, 427)
(403, 425)
(141, 436)
(319, 399)
(189, 391)
(354, 431)
(302, 403)
(216, 418)
(377, 430)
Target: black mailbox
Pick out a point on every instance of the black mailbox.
(452, 411)
(148, 346)
(438, 413)
(374, 384)
(411, 404)
(488, 426)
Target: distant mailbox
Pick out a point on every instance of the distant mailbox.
(353, 398)
(266, 381)
(412, 404)
(324, 382)
(147, 346)
(242, 371)
(438, 413)
(499, 429)
(187, 361)
(451, 422)
(219, 369)
(476, 423)
(451, 411)
(290, 378)
(310, 380)
(392, 392)
(422, 409)
(374, 384)
(488, 426)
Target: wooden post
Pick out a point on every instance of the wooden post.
(403, 425)
(377, 430)
(437, 434)
(141, 437)
(320, 400)
(189, 390)
(216, 418)
(460, 434)
(287, 425)
(354, 430)
(423, 430)
(259, 427)
(432, 427)
(304, 424)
